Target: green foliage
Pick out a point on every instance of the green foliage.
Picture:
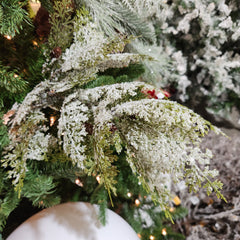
(105, 158)
(12, 16)
(58, 166)
(17, 157)
(8, 198)
(21, 61)
(4, 140)
(39, 190)
(117, 75)
(62, 25)
(11, 85)
(100, 197)
(47, 4)
(133, 71)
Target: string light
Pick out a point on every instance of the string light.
(8, 37)
(137, 202)
(152, 237)
(164, 231)
(15, 75)
(139, 235)
(129, 194)
(35, 43)
(78, 182)
(172, 209)
(98, 178)
(52, 120)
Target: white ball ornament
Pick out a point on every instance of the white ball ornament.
(73, 221)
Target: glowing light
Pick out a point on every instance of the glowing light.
(35, 43)
(164, 231)
(129, 194)
(98, 178)
(15, 75)
(139, 235)
(172, 209)
(152, 237)
(8, 37)
(177, 200)
(137, 202)
(52, 120)
(78, 182)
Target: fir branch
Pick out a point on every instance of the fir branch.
(100, 197)
(47, 4)
(13, 16)
(8, 198)
(119, 19)
(11, 84)
(39, 189)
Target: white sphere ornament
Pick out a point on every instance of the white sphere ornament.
(73, 221)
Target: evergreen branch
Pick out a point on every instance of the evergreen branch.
(11, 81)
(120, 19)
(47, 4)
(104, 158)
(11, 85)
(4, 140)
(8, 198)
(13, 16)
(62, 25)
(38, 188)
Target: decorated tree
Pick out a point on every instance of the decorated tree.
(79, 121)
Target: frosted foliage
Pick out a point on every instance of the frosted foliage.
(38, 146)
(71, 127)
(163, 138)
(161, 141)
(167, 66)
(87, 49)
(145, 8)
(75, 115)
(206, 35)
(119, 61)
(26, 145)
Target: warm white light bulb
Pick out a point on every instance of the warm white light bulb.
(129, 194)
(78, 182)
(137, 202)
(35, 43)
(164, 231)
(52, 120)
(8, 37)
(172, 209)
(152, 237)
(98, 178)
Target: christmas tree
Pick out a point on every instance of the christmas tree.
(81, 123)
